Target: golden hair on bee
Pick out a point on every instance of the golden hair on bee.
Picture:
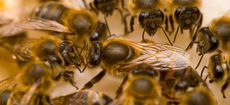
(141, 87)
(173, 4)
(220, 28)
(136, 6)
(199, 96)
(79, 21)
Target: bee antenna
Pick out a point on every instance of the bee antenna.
(167, 36)
(106, 22)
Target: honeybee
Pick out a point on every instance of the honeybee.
(206, 42)
(141, 87)
(84, 97)
(58, 18)
(59, 55)
(186, 14)
(198, 96)
(175, 83)
(35, 79)
(118, 55)
(149, 14)
(107, 8)
(4, 96)
(218, 70)
(220, 29)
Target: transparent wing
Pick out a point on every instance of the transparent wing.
(8, 83)
(160, 56)
(31, 24)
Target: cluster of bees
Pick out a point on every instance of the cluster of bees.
(75, 39)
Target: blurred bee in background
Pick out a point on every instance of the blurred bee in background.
(54, 16)
(107, 8)
(35, 79)
(141, 87)
(198, 96)
(59, 55)
(119, 55)
(80, 22)
(187, 14)
(218, 71)
(149, 14)
(4, 96)
(84, 97)
(175, 83)
(220, 28)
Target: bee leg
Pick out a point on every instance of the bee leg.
(190, 45)
(174, 39)
(92, 8)
(69, 76)
(94, 80)
(123, 18)
(132, 20)
(199, 61)
(201, 74)
(166, 24)
(85, 4)
(125, 23)
(225, 86)
(167, 36)
(206, 78)
(143, 36)
(121, 13)
(119, 89)
(171, 23)
(123, 4)
(107, 25)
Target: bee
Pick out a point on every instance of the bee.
(58, 18)
(150, 16)
(78, 21)
(206, 42)
(84, 97)
(118, 55)
(60, 56)
(107, 8)
(175, 83)
(218, 70)
(220, 28)
(4, 96)
(35, 79)
(186, 14)
(141, 87)
(198, 96)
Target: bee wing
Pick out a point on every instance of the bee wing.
(8, 83)
(32, 24)
(160, 56)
